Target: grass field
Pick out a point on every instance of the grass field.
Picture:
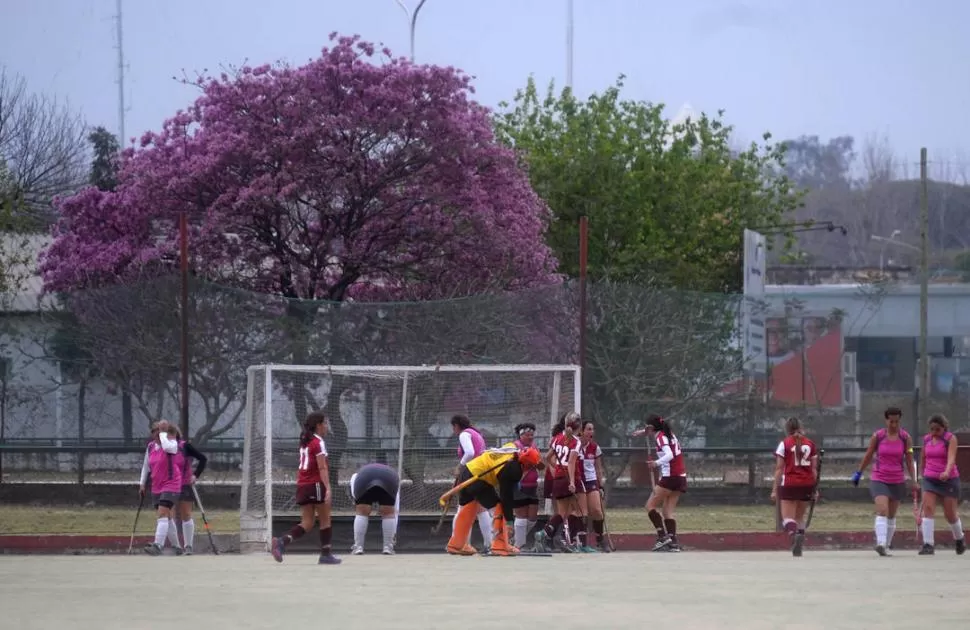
(113, 521)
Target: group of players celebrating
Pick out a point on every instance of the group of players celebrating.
(498, 487)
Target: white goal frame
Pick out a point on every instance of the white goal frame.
(256, 530)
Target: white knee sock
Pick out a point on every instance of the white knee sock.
(161, 531)
(957, 529)
(890, 530)
(188, 532)
(388, 527)
(485, 524)
(521, 530)
(173, 533)
(881, 530)
(928, 526)
(360, 530)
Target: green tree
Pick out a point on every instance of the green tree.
(667, 203)
(15, 251)
(104, 166)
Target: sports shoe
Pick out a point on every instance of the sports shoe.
(153, 550)
(357, 550)
(541, 542)
(927, 550)
(188, 550)
(588, 549)
(961, 546)
(276, 548)
(387, 551)
(662, 543)
(796, 548)
(881, 550)
(674, 547)
(604, 546)
(328, 558)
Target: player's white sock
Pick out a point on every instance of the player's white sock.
(387, 527)
(485, 524)
(161, 531)
(890, 530)
(928, 526)
(360, 530)
(188, 532)
(521, 531)
(957, 529)
(881, 527)
(173, 533)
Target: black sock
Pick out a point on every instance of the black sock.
(551, 526)
(295, 532)
(658, 522)
(598, 528)
(671, 526)
(326, 536)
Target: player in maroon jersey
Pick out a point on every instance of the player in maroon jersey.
(795, 474)
(590, 490)
(563, 458)
(313, 493)
(673, 482)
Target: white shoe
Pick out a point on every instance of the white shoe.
(388, 550)
(357, 550)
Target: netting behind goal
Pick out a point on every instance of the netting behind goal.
(368, 407)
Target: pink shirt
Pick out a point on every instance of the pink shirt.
(471, 444)
(890, 461)
(161, 461)
(935, 456)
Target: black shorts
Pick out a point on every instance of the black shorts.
(479, 491)
(187, 494)
(165, 499)
(310, 494)
(796, 493)
(674, 484)
(560, 488)
(526, 496)
(377, 495)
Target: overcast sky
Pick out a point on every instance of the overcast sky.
(899, 68)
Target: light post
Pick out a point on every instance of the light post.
(412, 18)
(891, 239)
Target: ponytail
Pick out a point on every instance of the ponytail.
(310, 426)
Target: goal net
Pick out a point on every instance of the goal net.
(396, 415)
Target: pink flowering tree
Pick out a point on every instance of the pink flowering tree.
(355, 177)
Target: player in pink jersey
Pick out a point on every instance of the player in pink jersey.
(563, 458)
(526, 498)
(313, 492)
(184, 457)
(891, 449)
(796, 473)
(672, 484)
(941, 481)
(590, 491)
(166, 482)
(471, 444)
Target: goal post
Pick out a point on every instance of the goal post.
(396, 415)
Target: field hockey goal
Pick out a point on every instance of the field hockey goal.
(397, 415)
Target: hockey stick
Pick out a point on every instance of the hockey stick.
(205, 521)
(131, 543)
(917, 502)
(606, 529)
(818, 481)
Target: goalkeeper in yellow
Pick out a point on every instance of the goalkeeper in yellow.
(497, 472)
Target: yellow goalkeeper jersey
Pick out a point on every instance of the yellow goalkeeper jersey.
(487, 465)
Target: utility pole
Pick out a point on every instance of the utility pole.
(412, 20)
(122, 140)
(924, 280)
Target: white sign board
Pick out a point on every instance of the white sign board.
(752, 308)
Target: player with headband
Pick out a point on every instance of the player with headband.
(380, 484)
(526, 501)
(496, 472)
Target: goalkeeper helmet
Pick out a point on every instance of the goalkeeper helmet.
(529, 457)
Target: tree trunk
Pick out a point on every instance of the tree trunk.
(81, 413)
(127, 417)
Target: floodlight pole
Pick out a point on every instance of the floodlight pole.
(413, 18)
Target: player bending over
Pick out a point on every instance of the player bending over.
(380, 484)
(527, 492)
(892, 451)
(498, 472)
(563, 458)
(796, 474)
(941, 482)
(183, 459)
(672, 483)
(166, 483)
(313, 492)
